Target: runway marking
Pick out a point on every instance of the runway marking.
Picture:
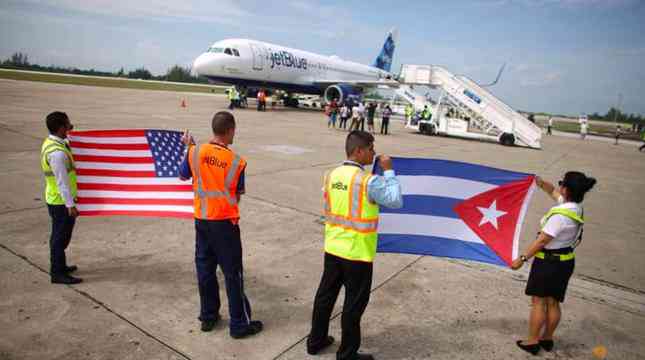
(286, 149)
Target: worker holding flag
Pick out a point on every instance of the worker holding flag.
(561, 232)
(352, 198)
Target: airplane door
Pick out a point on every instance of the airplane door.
(258, 57)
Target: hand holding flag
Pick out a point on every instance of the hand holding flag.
(456, 209)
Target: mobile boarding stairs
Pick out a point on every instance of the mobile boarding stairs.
(482, 115)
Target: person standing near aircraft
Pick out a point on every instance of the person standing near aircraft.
(549, 125)
(262, 100)
(618, 133)
(333, 112)
(409, 110)
(231, 97)
(355, 118)
(371, 112)
(426, 114)
(361, 116)
(352, 197)
(387, 112)
(218, 183)
(561, 232)
(57, 163)
(344, 115)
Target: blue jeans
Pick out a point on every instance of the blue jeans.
(218, 243)
(62, 227)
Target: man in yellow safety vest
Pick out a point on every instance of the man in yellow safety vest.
(352, 197)
(57, 164)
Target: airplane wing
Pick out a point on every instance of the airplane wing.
(360, 83)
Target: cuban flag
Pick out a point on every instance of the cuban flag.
(456, 209)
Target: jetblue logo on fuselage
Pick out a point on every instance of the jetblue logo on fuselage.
(287, 59)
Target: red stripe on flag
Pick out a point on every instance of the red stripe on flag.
(83, 145)
(122, 201)
(109, 133)
(126, 187)
(116, 173)
(173, 214)
(114, 159)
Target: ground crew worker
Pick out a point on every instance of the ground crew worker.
(408, 112)
(262, 100)
(352, 197)
(426, 114)
(57, 163)
(232, 96)
(218, 183)
(561, 231)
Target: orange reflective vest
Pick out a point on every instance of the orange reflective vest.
(216, 172)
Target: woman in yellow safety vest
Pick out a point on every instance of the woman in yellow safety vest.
(560, 232)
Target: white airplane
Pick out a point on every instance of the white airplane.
(257, 64)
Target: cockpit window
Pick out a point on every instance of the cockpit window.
(228, 51)
(236, 52)
(214, 49)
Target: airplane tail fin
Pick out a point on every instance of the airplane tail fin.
(384, 59)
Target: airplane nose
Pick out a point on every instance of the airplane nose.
(200, 64)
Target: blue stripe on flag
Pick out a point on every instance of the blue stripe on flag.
(456, 169)
(426, 205)
(430, 245)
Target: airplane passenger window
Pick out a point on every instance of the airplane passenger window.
(228, 51)
(236, 52)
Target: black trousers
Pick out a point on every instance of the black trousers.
(62, 227)
(218, 244)
(356, 277)
(384, 125)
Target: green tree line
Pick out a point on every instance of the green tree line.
(616, 115)
(177, 73)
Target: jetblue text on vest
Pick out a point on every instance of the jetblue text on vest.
(213, 161)
(339, 186)
(287, 59)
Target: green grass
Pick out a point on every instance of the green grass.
(607, 130)
(106, 82)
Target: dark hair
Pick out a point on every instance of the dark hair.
(578, 185)
(357, 139)
(223, 121)
(56, 120)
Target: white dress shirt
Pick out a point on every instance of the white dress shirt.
(57, 160)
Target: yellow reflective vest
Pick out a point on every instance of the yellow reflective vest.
(351, 218)
(52, 194)
(566, 212)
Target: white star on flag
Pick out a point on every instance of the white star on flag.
(490, 214)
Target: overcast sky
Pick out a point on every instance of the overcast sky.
(564, 56)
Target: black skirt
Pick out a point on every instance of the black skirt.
(550, 277)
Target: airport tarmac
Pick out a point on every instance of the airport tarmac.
(139, 299)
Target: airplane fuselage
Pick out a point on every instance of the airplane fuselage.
(259, 64)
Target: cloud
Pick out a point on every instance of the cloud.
(226, 11)
(561, 3)
(541, 80)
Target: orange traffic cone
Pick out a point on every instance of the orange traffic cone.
(183, 103)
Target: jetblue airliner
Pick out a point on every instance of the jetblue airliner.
(258, 64)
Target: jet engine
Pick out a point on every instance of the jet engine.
(343, 93)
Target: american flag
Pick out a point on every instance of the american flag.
(131, 172)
